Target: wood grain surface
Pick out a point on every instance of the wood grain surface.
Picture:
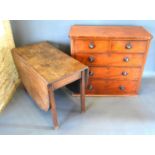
(111, 87)
(111, 59)
(116, 56)
(43, 69)
(48, 61)
(110, 32)
(117, 73)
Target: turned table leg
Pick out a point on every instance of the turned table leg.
(82, 89)
(53, 107)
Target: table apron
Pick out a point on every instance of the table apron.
(67, 80)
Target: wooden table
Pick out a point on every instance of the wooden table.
(43, 69)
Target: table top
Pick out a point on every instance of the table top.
(110, 32)
(48, 61)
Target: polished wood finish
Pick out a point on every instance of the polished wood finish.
(114, 73)
(121, 46)
(43, 69)
(96, 87)
(97, 45)
(111, 59)
(116, 56)
(111, 87)
(110, 32)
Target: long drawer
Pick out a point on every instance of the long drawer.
(117, 73)
(111, 87)
(111, 59)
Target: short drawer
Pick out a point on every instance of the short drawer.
(111, 59)
(85, 46)
(111, 87)
(114, 73)
(129, 46)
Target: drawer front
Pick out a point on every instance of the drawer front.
(111, 59)
(96, 87)
(85, 46)
(129, 46)
(114, 73)
(122, 87)
(111, 87)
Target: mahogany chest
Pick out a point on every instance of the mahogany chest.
(115, 55)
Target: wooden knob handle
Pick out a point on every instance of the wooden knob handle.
(91, 59)
(91, 45)
(91, 73)
(126, 59)
(128, 46)
(124, 73)
(122, 88)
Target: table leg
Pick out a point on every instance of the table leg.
(53, 107)
(82, 89)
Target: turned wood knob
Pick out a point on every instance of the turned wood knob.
(128, 46)
(91, 45)
(126, 59)
(122, 88)
(91, 59)
(91, 73)
(124, 73)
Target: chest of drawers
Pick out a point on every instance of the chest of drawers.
(115, 55)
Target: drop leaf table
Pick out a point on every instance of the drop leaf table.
(43, 69)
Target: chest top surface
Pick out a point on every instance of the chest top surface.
(48, 61)
(110, 32)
